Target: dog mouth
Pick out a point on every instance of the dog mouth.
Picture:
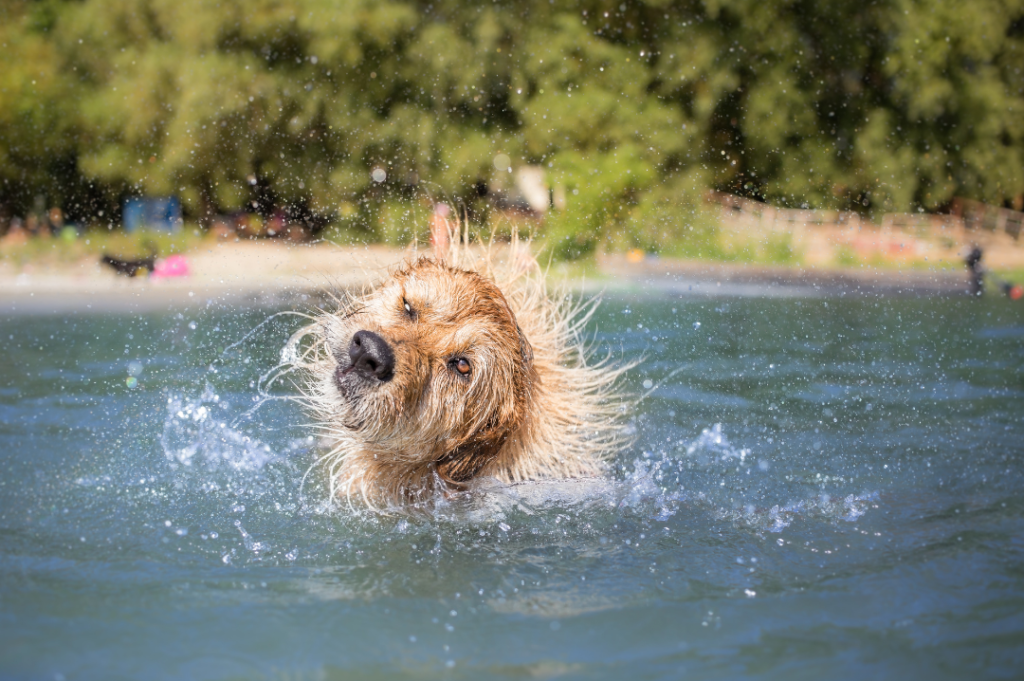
(346, 380)
(342, 371)
(352, 389)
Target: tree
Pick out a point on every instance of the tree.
(632, 107)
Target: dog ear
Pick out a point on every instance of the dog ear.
(441, 234)
(463, 463)
(525, 349)
(524, 346)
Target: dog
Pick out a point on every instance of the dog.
(454, 369)
(130, 268)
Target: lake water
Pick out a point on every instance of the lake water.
(819, 488)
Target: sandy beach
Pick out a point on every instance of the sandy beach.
(266, 273)
(247, 272)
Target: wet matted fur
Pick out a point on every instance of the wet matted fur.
(455, 368)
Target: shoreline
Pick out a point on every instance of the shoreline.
(262, 274)
(695, 278)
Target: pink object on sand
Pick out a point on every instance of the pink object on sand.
(171, 266)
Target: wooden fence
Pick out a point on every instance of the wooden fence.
(967, 216)
(981, 216)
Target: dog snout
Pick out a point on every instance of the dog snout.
(371, 356)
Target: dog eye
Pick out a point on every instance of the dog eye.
(461, 365)
(408, 308)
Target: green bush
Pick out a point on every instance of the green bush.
(891, 106)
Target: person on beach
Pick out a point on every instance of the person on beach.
(976, 283)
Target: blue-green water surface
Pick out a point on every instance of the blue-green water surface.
(818, 488)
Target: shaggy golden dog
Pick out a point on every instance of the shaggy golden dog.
(447, 371)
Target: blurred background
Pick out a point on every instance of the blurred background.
(768, 131)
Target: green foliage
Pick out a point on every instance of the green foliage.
(71, 247)
(779, 250)
(634, 107)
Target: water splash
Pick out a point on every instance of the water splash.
(713, 440)
(737, 484)
(200, 429)
(706, 474)
(251, 544)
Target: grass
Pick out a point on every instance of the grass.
(717, 245)
(68, 246)
(845, 256)
(1015, 275)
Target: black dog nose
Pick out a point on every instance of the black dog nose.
(371, 356)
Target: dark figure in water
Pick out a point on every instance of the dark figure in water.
(131, 268)
(976, 285)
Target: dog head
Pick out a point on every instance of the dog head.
(429, 369)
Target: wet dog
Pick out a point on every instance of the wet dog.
(447, 372)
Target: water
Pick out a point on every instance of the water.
(817, 488)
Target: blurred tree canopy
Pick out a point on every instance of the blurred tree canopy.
(634, 107)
